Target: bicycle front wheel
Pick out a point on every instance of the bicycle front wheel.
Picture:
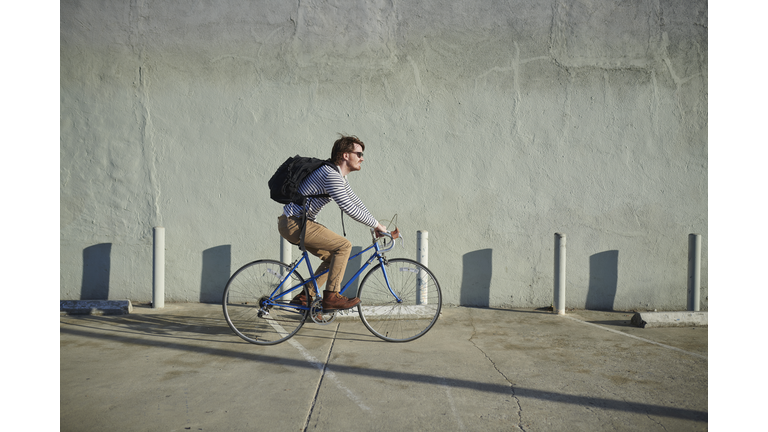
(400, 301)
(252, 308)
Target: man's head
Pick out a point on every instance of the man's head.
(345, 144)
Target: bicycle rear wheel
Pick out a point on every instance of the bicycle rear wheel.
(419, 302)
(253, 313)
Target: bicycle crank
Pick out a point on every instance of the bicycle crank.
(317, 314)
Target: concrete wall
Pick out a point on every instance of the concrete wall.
(490, 124)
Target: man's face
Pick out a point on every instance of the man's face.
(354, 160)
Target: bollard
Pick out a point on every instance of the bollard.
(559, 303)
(285, 251)
(694, 272)
(422, 256)
(158, 268)
(285, 258)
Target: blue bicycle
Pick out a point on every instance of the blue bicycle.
(400, 298)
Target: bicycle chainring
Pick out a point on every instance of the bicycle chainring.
(317, 314)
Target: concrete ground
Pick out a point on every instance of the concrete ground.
(181, 368)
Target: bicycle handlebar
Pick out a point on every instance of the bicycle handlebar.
(394, 235)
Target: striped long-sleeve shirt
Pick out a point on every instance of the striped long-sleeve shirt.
(327, 180)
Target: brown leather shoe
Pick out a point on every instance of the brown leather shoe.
(335, 301)
(300, 299)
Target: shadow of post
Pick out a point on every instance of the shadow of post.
(603, 280)
(97, 262)
(352, 267)
(216, 270)
(476, 275)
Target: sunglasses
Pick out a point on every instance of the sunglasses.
(359, 154)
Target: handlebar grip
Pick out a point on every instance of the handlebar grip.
(393, 234)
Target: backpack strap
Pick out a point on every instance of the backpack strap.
(304, 199)
(303, 223)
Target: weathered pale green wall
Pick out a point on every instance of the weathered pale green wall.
(492, 125)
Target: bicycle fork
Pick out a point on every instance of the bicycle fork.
(384, 264)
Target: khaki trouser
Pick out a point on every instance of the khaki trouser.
(323, 243)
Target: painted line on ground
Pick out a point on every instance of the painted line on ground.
(451, 403)
(638, 338)
(319, 365)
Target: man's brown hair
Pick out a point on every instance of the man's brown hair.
(345, 144)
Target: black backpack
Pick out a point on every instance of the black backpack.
(285, 182)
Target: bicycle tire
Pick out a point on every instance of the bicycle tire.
(408, 319)
(246, 298)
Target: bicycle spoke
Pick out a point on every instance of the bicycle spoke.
(419, 304)
(250, 307)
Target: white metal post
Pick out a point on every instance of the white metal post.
(285, 257)
(158, 268)
(694, 272)
(422, 256)
(285, 251)
(559, 303)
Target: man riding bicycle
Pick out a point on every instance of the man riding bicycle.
(331, 248)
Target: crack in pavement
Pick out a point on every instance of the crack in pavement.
(322, 366)
(325, 373)
(511, 385)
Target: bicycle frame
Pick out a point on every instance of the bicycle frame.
(377, 254)
(403, 301)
